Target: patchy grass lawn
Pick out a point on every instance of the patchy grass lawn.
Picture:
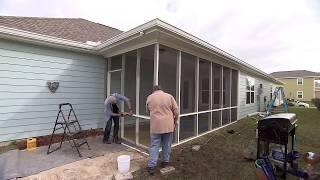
(222, 154)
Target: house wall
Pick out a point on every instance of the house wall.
(28, 108)
(291, 88)
(259, 105)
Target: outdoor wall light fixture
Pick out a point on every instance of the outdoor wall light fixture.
(53, 86)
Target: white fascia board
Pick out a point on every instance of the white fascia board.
(137, 31)
(299, 77)
(133, 33)
(16, 34)
(196, 40)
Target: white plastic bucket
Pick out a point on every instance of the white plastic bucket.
(123, 163)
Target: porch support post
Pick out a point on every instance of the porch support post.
(137, 94)
(197, 97)
(156, 65)
(210, 96)
(178, 92)
(221, 94)
(230, 96)
(122, 92)
(108, 77)
(238, 96)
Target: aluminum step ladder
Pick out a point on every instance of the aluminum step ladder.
(278, 93)
(71, 130)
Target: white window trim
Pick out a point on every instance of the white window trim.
(301, 81)
(316, 88)
(298, 94)
(250, 91)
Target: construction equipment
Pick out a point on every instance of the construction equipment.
(71, 130)
(275, 104)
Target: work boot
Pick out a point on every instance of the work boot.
(106, 141)
(151, 170)
(117, 140)
(164, 164)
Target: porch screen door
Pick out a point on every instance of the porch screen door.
(115, 82)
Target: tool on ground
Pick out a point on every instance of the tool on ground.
(71, 129)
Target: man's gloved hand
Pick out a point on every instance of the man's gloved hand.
(124, 114)
(130, 113)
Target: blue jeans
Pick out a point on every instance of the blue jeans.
(166, 141)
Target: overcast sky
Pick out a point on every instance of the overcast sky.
(273, 35)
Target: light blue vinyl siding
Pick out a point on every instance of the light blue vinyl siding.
(246, 109)
(28, 108)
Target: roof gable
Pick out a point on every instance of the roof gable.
(297, 73)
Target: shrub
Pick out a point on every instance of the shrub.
(316, 102)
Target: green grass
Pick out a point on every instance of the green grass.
(308, 131)
(222, 154)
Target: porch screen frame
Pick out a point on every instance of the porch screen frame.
(178, 94)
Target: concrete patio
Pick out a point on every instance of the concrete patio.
(98, 163)
(99, 168)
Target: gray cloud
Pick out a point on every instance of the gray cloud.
(271, 37)
(172, 6)
(57, 8)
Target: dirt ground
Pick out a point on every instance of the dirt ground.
(222, 155)
(218, 158)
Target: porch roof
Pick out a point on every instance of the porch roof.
(154, 26)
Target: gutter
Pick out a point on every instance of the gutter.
(207, 45)
(26, 36)
(138, 31)
(11, 33)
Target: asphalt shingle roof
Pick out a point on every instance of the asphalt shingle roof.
(75, 29)
(297, 73)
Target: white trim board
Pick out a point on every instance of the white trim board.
(139, 31)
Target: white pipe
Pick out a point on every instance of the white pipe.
(138, 150)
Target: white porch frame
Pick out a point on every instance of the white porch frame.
(178, 96)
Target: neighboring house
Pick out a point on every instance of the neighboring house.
(300, 84)
(90, 61)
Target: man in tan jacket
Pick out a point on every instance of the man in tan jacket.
(164, 114)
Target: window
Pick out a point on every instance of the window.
(185, 92)
(168, 69)
(204, 85)
(234, 88)
(300, 94)
(250, 91)
(146, 76)
(188, 88)
(216, 86)
(299, 81)
(129, 123)
(116, 62)
(204, 91)
(226, 91)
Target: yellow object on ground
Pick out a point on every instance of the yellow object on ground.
(31, 144)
